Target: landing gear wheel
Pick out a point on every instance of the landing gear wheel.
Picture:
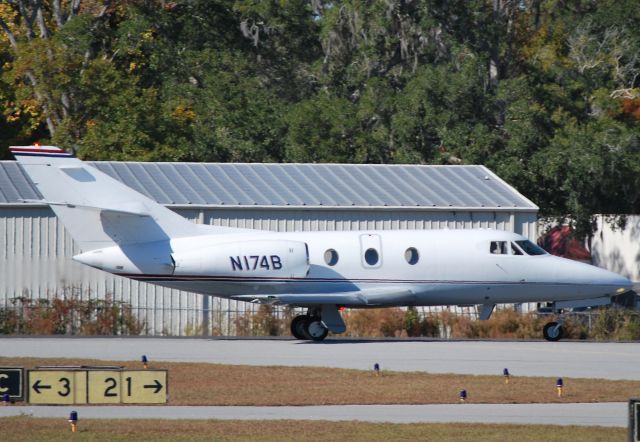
(316, 329)
(552, 331)
(298, 326)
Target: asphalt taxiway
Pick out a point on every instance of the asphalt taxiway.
(565, 359)
(599, 360)
(604, 414)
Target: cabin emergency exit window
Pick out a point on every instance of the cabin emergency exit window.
(371, 257)
(370, 250)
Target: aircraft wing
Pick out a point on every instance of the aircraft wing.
(367, 297)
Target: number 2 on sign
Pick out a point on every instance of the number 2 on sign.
(111, 385)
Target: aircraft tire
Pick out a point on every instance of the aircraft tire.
(551, 333)
(298, 326)
(315, 329)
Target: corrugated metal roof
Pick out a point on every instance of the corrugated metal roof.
(14, 184)
(301, 185)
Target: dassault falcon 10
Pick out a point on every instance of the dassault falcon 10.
(125, 233)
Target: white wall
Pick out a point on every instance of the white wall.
(618, 249)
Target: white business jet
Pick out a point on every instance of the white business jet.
(125, 233)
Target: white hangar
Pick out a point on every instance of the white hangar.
(36, 251)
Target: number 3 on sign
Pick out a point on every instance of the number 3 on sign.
(104, 387)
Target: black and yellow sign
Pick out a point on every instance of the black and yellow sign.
(104, 386)
(57, 387)
(128, 387)
(144, 386)
(11, 382)
(97, 386)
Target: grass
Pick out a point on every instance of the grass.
(216, 384)
(27, 428)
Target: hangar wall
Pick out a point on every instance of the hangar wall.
(36, 251)
(617, 249)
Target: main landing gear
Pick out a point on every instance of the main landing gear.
(309, 328)
(553, 331)
(316, 324)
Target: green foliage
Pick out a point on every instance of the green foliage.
(415, 325)
(545, 93)
(617, 324)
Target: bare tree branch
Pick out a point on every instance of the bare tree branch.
(10, 35)
(75, 7)
(49, 119)
(44, 31)
(57, 13)
(27, 17)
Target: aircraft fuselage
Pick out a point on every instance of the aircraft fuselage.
(425, 267)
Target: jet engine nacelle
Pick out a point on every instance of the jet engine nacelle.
(254, 259)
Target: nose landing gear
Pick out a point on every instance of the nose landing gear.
(553, 331)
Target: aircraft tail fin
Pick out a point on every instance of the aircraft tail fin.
(97, 210)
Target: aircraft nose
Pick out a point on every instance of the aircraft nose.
(612, 282)
(618, 282)
(624, 283)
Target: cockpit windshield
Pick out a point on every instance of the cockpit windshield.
(530, 248)
(515, 248)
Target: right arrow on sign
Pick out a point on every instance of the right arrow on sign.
(157, 385)
(37, 386)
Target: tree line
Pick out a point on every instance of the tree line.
(544, 92)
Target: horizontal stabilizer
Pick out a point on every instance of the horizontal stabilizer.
(141, 211)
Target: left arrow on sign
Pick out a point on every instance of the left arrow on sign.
(37, 386)
(157, 385)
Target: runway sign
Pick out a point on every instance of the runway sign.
(634, 420)
(57, 387)
(104, 386)
(145, 386)
(97, 386)
(11, 382)
(127, 386)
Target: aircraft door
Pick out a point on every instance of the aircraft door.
(370, 251)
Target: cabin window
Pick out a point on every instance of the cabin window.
(411, 255)
(371, 257)
(331, 257)
(499, 248)
(530, 248)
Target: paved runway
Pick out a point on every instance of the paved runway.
(536, 358)
(606, 414)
